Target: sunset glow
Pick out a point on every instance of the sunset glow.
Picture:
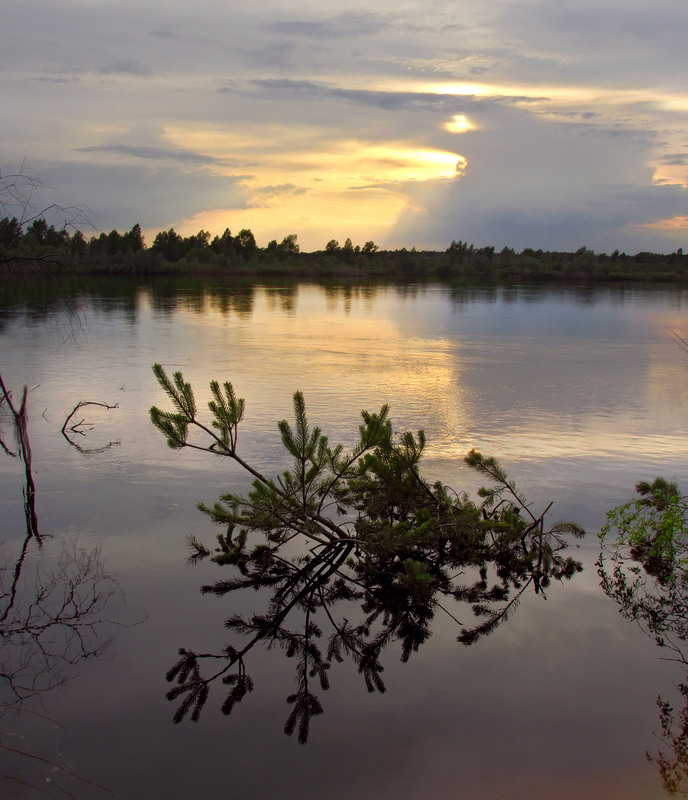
(332, 191)
(261, 118)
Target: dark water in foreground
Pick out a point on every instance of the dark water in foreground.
(579, 392)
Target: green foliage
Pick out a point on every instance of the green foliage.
(33, 235)
(289, 246)
(133, 241)
(223, 244)
(359, 528)
(169, 244)
(175, 425)
(10, 232)
(245, 243)
(643, 566)
(654, 527)
(643, 558)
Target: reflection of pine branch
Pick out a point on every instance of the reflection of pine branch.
(644, 567)
(306, 705)
(362, 528)
(299, 589)
(310, 664)
(357, 647)
(494, 618)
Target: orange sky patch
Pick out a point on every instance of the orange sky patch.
(675, 223)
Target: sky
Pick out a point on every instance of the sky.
(517, 123)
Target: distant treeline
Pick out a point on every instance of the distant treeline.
(40, 245)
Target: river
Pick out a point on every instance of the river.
(579, 392)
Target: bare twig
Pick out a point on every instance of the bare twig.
(81, 427)
(56, 766)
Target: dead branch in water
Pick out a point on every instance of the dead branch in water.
(81, 427)
(24, 447)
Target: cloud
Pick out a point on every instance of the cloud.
(337, 27)
(603, 218)
(156, 198)
(151, 153)
(49, 79)
(282, 189)
(269, 196)
(675, 159)
(121, 66)
(575, 133)
(630, 41)
(311, 91)
(533, 183)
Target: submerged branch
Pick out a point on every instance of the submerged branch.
(81, 427)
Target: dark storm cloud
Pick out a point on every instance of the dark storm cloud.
(555, 186)
(601, 217)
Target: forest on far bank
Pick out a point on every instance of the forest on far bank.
(41, 246)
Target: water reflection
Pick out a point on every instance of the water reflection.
(50, 617)
(643, 567)
(236, 300)
(282, 298)
(54, 597)
(68, 294)
(353, 552)
(339, 602)
(20, 425)
(579, 393)
(53, 607)
(75, 427)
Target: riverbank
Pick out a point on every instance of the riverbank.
(483, 264)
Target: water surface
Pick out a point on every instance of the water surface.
(579, 392)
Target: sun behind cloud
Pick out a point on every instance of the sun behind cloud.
(320, 190)
(459, 123)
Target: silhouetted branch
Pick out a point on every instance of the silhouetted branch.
(24, 446)
(363, 529)
(81, 427)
